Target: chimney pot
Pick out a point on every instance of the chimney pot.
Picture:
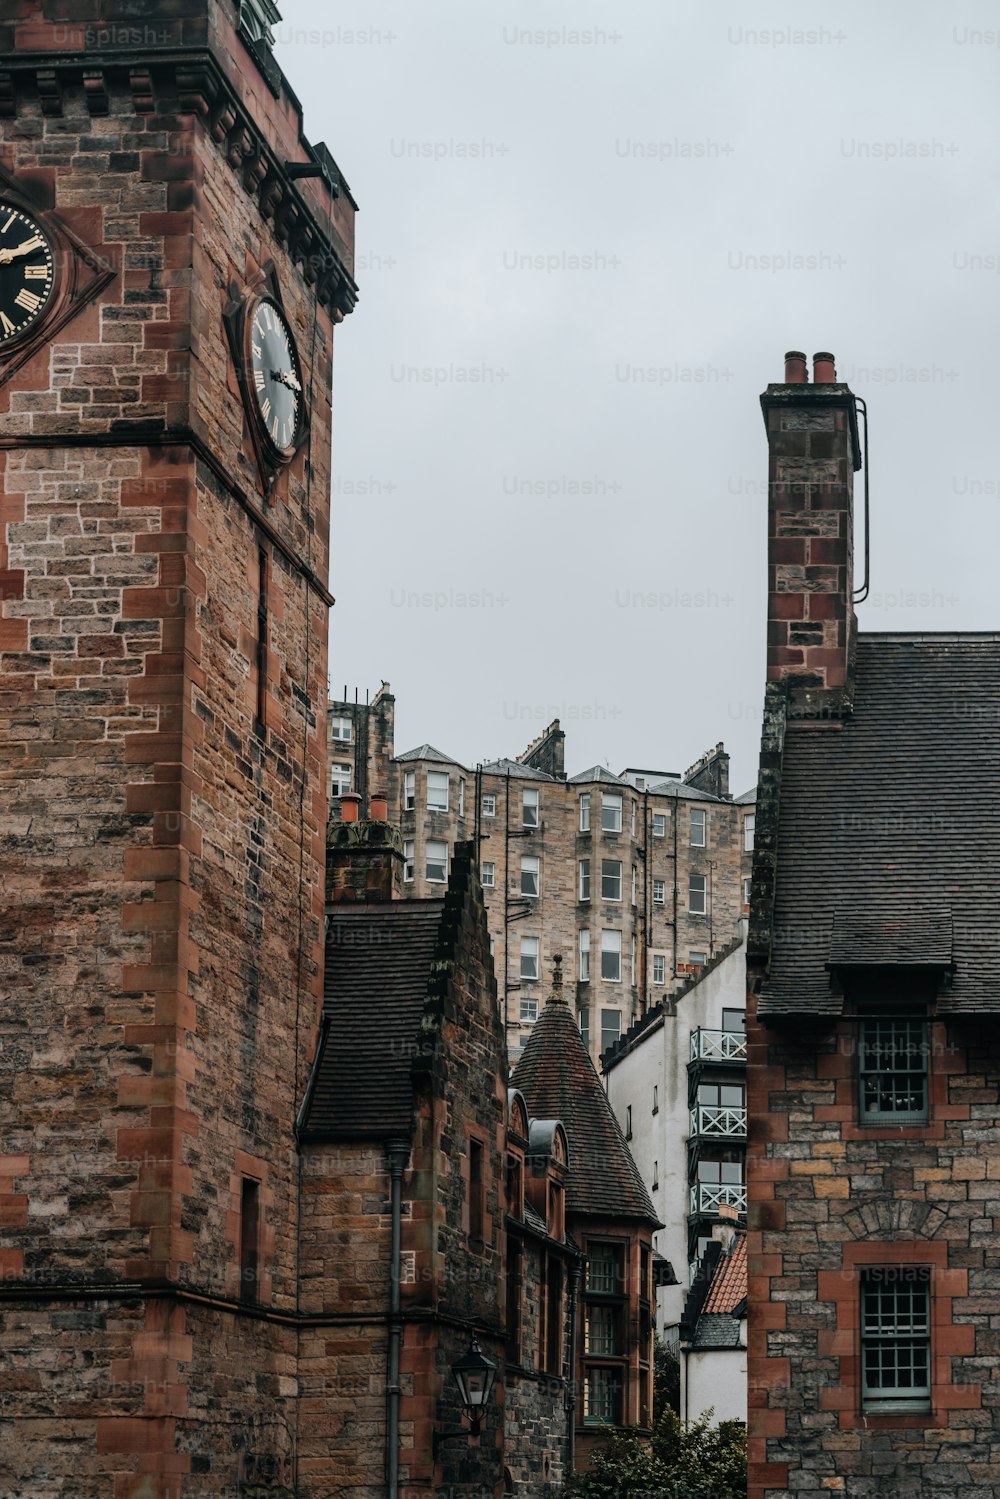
(824, 369)
(350, 804)
(796, 371)
(378, 807)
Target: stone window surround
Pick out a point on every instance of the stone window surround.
(840, 1065)
(948, 1338)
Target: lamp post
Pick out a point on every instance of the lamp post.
(475, 1376)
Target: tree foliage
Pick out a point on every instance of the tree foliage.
(700, 1461)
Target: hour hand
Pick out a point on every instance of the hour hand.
(6, 256)
(285, 377)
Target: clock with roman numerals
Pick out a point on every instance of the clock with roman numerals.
(275, 377)
(27, 273)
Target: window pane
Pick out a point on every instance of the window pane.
(585, 812)
(893, 1070)
(584, 957)
(611, 813)
(611, 1028)
(489, 875)
(408, 860)
(601, 1333)
(584, 879)
(611, 956)
(529, 875)
(611, 879)
(409, 790)
(529, 957)
(696, 894)
(658, 892)
(437, 791)
(489, 806)
(529, 809)
(659, 825)
(698, 819)
(529, 1009)
(895, 1334)
(437, 861)
(659, 968)
(749, 824)
(605, 1269)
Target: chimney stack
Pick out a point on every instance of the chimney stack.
(364, 860)
(378, 808)
(813, 451)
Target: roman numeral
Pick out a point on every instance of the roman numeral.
(268, 317)
(36, 272)
(286, 435)
(8, 223)
(28, 300)
(274, 429)
(6, 324)
(255, 351)
(266, 407)
(258, 379)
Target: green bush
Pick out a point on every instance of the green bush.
(696, 1462)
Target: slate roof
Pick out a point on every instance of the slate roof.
(558, 1081)
(685, 793)
(892, 817)
(516, 770)
(598, 773)
(378, 961)
(715, 1331)
(747, 799)
(428, 752)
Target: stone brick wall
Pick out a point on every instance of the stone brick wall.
(163, 948)
(828, 1198)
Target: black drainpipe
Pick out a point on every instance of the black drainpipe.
(398, 1152)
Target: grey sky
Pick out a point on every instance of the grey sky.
(669, 144)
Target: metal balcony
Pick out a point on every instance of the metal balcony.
(718, 1046)
(716, 1121)
(708, 1197)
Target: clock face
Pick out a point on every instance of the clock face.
(276, 376)
(27, 272)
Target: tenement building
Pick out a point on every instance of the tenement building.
(874, 1055)
(636, 880)
(174, 258)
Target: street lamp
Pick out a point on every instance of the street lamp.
(475, 1376)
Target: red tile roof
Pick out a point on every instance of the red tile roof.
(729, 1283)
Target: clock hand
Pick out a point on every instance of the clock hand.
(6, 256)
(286, 378)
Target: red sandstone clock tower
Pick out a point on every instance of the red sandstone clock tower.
(174, 256)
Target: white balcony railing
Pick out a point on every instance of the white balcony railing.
(718, 1046)
(708, 1197)
(714, 1119)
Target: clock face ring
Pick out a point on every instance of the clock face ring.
(275, 376)
(27, 272)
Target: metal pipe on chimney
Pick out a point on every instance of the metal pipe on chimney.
(796, 371)
(824, 369)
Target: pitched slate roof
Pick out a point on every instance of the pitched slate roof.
(747, 799)
(378, 960)
(428, 752)
(597, 773)
(892, 816)
(516, 770)
(684, 792)
(558, 1081)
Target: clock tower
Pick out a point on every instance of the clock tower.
(174, 258)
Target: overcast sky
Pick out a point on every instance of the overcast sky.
(587, 235)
